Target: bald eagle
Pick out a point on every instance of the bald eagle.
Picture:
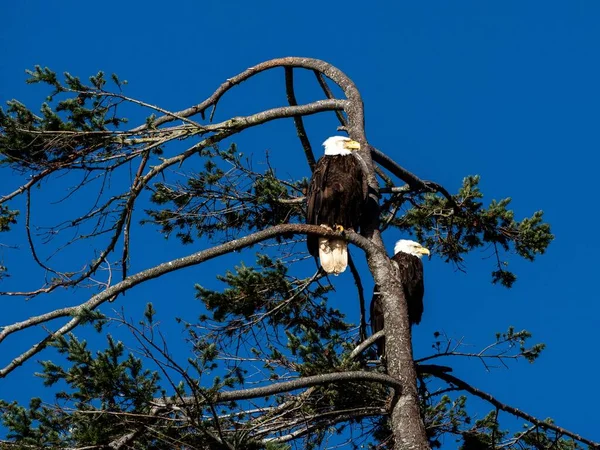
(407, 255)
(335, 200)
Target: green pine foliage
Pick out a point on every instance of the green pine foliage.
(226, 198)
(7, 218)
(453, 228)
(72, 129)
(94, 391)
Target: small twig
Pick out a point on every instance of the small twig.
(29, 238)
(127, 226)
(101, 93)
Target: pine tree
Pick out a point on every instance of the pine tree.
(271, 363)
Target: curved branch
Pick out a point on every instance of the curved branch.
(323, 67)
(242, 122)
(504, 407)
(34, 179)
(287, 386)
(408, 177)
(366, 344)
(155, 272)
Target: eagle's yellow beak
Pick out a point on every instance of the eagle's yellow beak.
(423, 251)
(351, 145)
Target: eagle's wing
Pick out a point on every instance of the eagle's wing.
(377, 319)
(410, 269)
(314, 202)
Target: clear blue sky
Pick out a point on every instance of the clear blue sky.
(508, 90)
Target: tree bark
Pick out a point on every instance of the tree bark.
(407, 424)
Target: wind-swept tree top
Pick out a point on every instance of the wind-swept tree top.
(194, 186)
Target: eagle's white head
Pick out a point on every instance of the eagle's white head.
(410, 247)
(340, 145)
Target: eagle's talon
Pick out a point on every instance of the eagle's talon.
(338, 228)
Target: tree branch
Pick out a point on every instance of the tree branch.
(306, 63)
(408, 177)
(317, 421)
(225, 129)
(287, 386)
(504, 407)
(366, 344)
(155, 272)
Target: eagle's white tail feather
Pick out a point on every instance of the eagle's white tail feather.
(340, 255)
(333, 254)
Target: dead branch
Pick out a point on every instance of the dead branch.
(287, 386)
(323, 67)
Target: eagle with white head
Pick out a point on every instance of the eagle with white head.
(335, 200)
(407, 256)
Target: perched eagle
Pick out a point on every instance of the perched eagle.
(335, 200)
(407, 255)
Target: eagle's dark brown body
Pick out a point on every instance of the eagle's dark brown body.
(335, 195)
(410, 272)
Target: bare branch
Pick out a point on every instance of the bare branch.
(34, 179)
(366, 344)
(307, 63)
(287, 386)
(318, 421)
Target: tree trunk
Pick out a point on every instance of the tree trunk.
(406, 422)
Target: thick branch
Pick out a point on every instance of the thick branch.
(156, 272)
(323, 67)
(287, 386)
(242, 122)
